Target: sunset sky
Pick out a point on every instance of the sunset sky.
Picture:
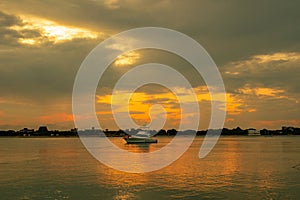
(255, 44)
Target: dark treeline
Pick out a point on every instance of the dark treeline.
(43, 131)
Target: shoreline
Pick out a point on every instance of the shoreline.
(159, 136)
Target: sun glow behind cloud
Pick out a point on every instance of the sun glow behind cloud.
(127, 59)
(141, 105)
(280, 56)
(50, 31)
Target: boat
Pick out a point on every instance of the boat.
(143, 136)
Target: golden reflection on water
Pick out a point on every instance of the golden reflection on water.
(222, 168)
(214, 171)
(238, 167)
(230, 161)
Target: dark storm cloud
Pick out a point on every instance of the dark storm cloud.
(42, 74)
(229, 30)
(7, 20)
(8, 36)
(93, 14)
(234, 30)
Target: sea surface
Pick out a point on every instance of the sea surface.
(237, 168)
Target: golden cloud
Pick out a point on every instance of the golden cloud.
(141, 103)
(262, 62)
(280, 56)
(127, 59)
(51, 31)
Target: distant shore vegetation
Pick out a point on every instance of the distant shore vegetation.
(43, 131)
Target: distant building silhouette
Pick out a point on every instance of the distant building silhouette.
(253, 132)
(43, 130)
(26, 131)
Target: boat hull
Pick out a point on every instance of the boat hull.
(140, 140)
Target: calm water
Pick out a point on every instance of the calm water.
(237, 168)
